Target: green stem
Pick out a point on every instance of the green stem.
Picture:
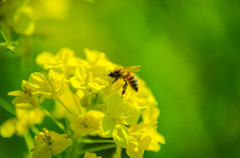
(64, 106)
(67, 126)
(119, 150)
(3, 36)
(59, 124)
(89, 141)
(35, 130)
(71, 153)
(77, 103)
(95, 149)
(8, 107)
(29, 141)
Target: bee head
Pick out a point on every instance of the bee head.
(111, 74)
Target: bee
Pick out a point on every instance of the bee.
(127, 75)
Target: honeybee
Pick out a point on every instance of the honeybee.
(127, 75)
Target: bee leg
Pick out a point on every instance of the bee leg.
(124, 87)
(116, 79)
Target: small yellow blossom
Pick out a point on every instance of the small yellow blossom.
(8, 128)
(115, 105)
(50, 86)
(145, 97)
(71, 101)
(98, 59)
(150, 114)
(26, 118)
(143, 137)
(92, 76)
(93, 80)
(25, 98)
(28, 112)
(91, 155)
(30, 116)
(13, 126)
(121, 135)
(90, 123)
(47, 143)
(64, 61)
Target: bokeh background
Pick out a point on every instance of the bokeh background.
(190, 56)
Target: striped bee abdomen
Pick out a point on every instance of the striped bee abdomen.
(132, 80)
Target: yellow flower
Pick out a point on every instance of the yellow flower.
(118, 114)
(26, 118)
(71, 101)
(85, 79)
(98, 59)
(93, 75)
(121, 135)
(48, 142)
(28, 112)
(30, 117)
(49, 86)
(64, 61)
(12, 126)
(8, 128)
(150, 115)
(90, 123)
(91, 155)
(145, 97)
(116, 106)
(143, 137)
(25, 98)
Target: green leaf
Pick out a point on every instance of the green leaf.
(6, 106)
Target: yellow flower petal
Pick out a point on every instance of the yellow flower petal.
(143, 137)
(25, 99)
(46, 60)
(30, 116)
(90, 123)
(50, 86)
(121, 135)
(115, 105)
(48, 142)
(8, 128)
(150, 114)
(42, 150)
(60, 142)
(13, 126)
(64, 61)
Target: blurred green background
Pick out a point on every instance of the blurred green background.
(189, 52)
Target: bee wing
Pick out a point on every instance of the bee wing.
(133, 68)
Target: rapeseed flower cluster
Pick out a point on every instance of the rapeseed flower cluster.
(84, 95)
